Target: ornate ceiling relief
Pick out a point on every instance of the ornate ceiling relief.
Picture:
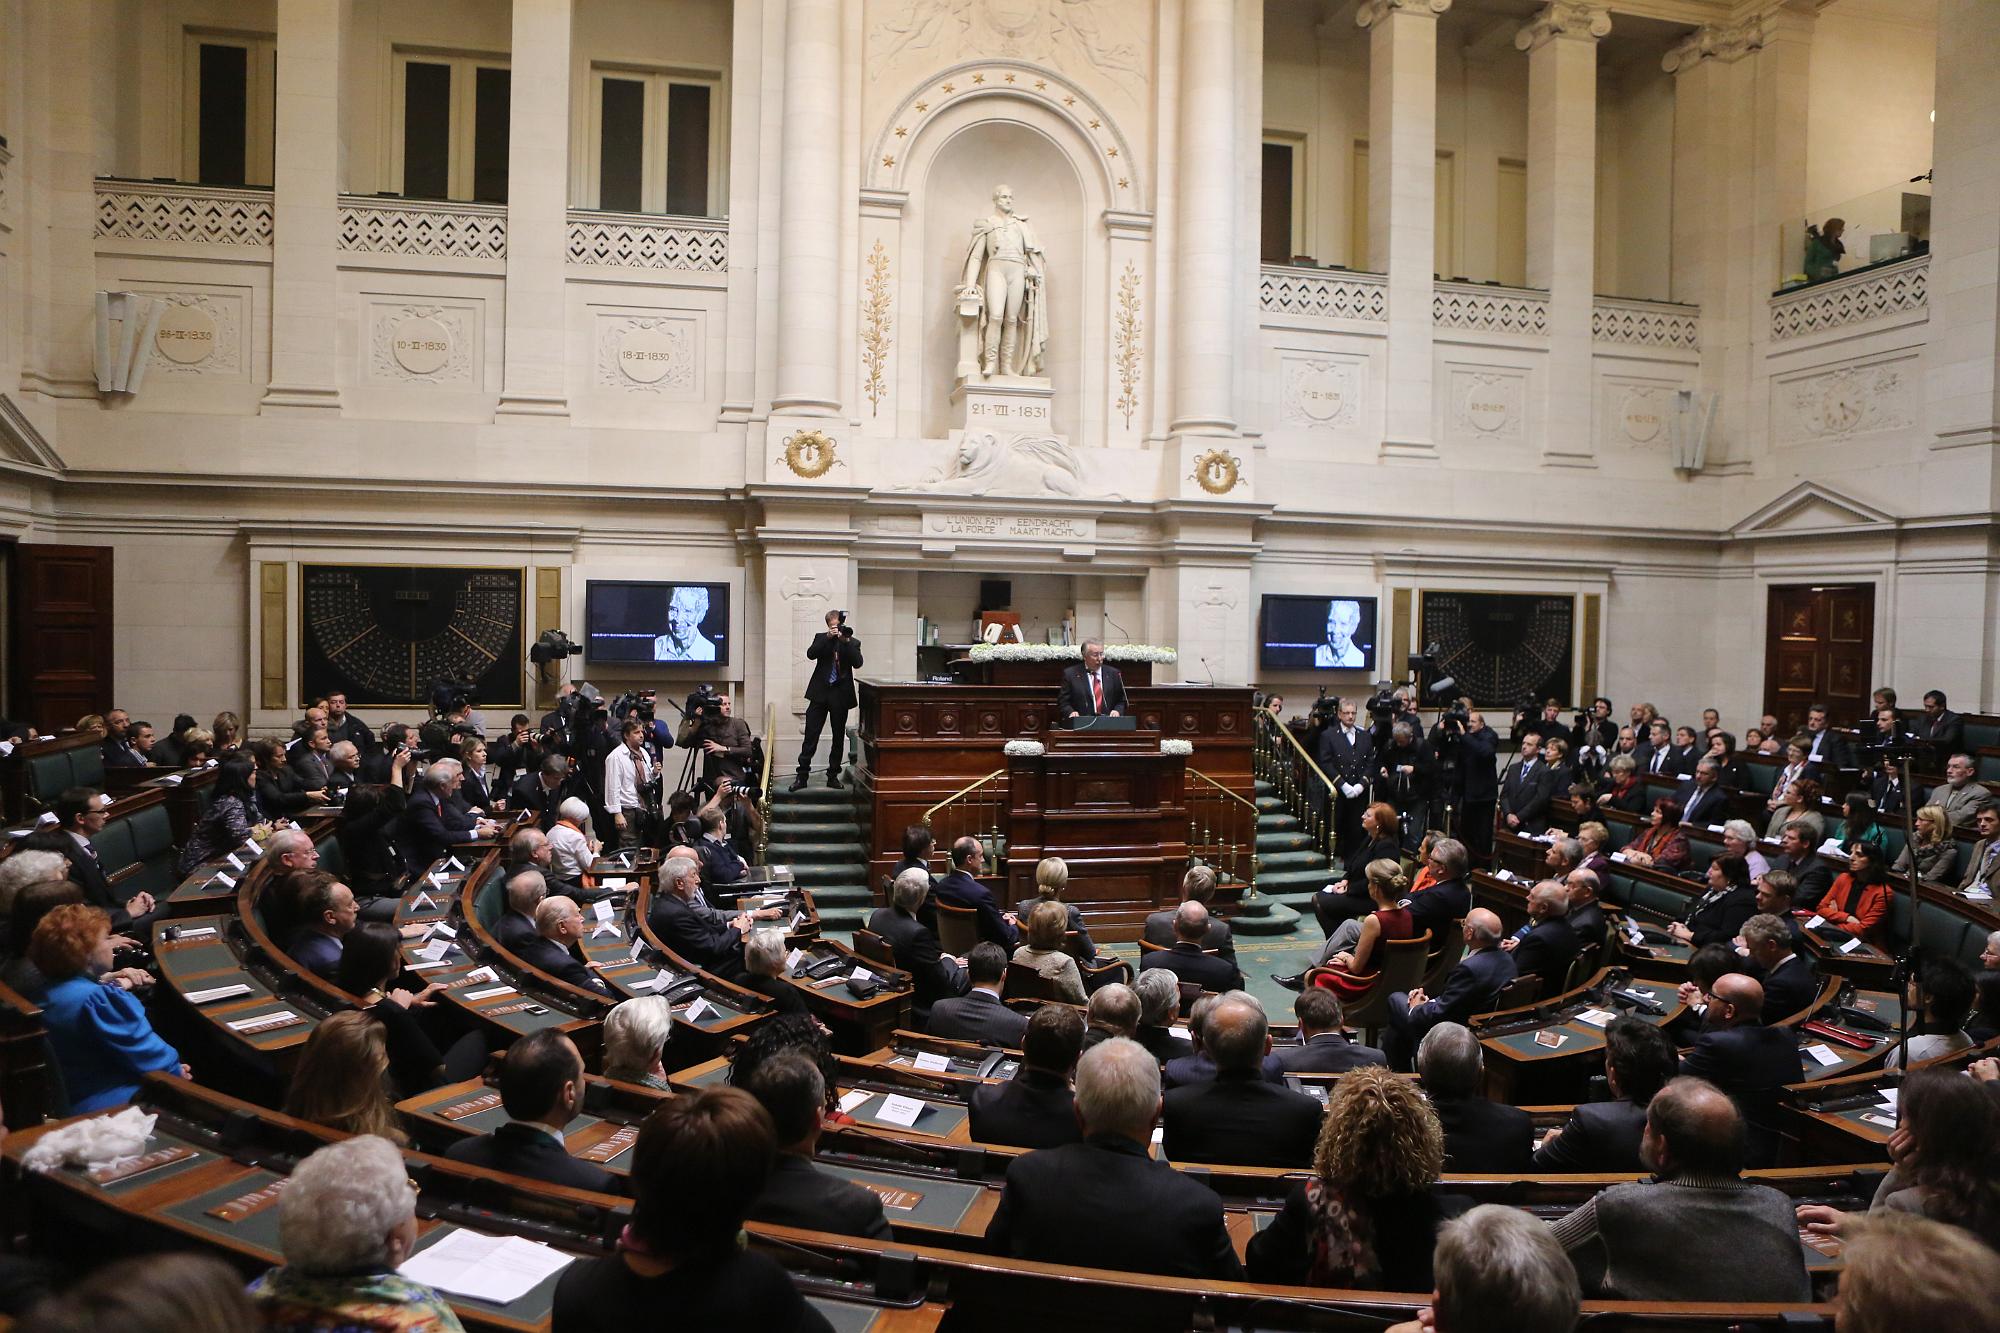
(1071, 35)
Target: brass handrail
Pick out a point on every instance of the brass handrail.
(1225, 846)
(1286, 732)
(962, 792)
(1197, 773)
(764, 784)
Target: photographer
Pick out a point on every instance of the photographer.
(1479, 796)
(395, 763)
(520, 752)
(835, 655)
(1404, 774)
(711, 726)
(1447, 746)
(627, 771)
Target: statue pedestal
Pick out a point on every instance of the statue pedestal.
(1003, 404)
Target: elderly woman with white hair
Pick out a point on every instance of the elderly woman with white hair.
(636, 1033)
(571, 848)
(764, 955)
(1739, 838)
(346, 1221)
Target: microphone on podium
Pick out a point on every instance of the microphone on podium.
(1210, 669)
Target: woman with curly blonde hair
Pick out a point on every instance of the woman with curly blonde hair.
(1367, 1216)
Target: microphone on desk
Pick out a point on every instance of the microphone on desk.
(1115, 625)
(1210, 670)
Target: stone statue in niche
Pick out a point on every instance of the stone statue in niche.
(1000, 297)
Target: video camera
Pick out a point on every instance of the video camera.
(448, 696)
(552, 646)
(635, 703)
(704, 702)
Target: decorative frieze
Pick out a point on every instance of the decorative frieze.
(1282, 290)
(1851, 300)
(421, 229)
(1645, 324)
(635, 240)
(183, 214)
(1457, 305)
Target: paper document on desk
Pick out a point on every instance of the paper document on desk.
(500, 1269)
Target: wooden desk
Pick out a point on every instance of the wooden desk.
(211, 953)
(1522, 1066)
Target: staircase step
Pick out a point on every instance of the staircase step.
(1280, 882)
(1294, 840)
(1300, 859)
(1278, 823)
(785, 848)
(782, 799)
(1263, 788)
(1279, 920)
(1268, 805)
(818, 829)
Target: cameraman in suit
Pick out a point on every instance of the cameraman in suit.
(835, 655)
(1092, 689)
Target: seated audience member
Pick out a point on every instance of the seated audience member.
(689, 926)
(431, 826)
(1858, 902)
(17, 872)
(961, 888)
(797, 1193)
(311, 761)
(1717, 915)
(1047, 923)
(1982, 869)
(1114, 1011)
(154, 1293)
(227, 729)
(1947, 1154)
(1747, 1058)
(541, 1087)
(572, 849)
(636, 1033)
(1367, 1215)
(327, 913)
(764, 955)
(700, 1165)
(1198, 1066)
(1811, 877)
(1695, 1231)
(935, 974)
(1197, 886)
(1900, 1273)
(1774, 898)
(720, 865)
(1471, 987)
(1960, 795)
(515, 929)
(81, 814)
(1787, 976)
(1238, 1117)
(1324, 1046)
(1942, 994)
(1740, 839)
(1623, 788)
(1604, 1136)
(31, 903)
(1479, 1135)
(1051, 879)
(1984, 1025)
(543, 791)
(1662, 844)
(1353, 953)
(979, 1015)
(1547, 945)
(1053, 1207)
(1700, 796)
(472, 796)
(278, 789)
(1858, 824)
(1439, 906)
(1498, 1270)
(223, 827)
(1800, 804)
(1159, 993)
(1034, 1109)
(1347, 897)
(554, 952)
(338, 1081)
(371, 963)
(1186, 959)
(102, 1041)
(347, 1221)
(1594, 841)
(1586, 914)
(345, 757)
(918, 845)
(1936, 850)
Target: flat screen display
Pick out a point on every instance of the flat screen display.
(655, 623)
(1316, 633)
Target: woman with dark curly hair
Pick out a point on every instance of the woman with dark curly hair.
(1367, 1216)
(1660, 844)
(100, 1034)
(790, 1032)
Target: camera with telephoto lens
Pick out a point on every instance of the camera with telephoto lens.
(703, 703)
(552, 646)
(634, 703)
(1383, 705)
(1455, 718)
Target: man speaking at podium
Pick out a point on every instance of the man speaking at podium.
(1092, 689)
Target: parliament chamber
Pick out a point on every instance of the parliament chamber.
(972, 664)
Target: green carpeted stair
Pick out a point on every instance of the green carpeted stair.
(818, 833)
(1289, 869)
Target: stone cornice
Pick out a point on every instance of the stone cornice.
(1732, 41)
(1374, 11)
(1563, 18)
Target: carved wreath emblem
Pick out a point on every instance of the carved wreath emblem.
(1217, 472)
(810, 453)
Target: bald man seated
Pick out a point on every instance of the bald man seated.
(1472, 987)
(1238, 1117)
(1751, 1061)
(516, 927)
(1186, 959)
(1546, 946)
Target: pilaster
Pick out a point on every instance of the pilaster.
(1963, 380)
(536, 369)
(1205, 223)
(809, 214)
(305, 209)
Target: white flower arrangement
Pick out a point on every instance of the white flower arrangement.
(1177, 747)
(1030, 749)
(1062, 652)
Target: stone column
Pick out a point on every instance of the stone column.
(1402, 188)
(809, 213)
(305, 208)
(1963, 389)
(1561, 42)
(1205, 330)
(535, 378)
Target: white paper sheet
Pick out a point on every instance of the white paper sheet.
(435, 951)
(850, 1100)
(490, 993)
(1823, 1053)
(242, 1023)
(697, 1009)
(932, 1061)
(215, 993)
(1597, 1018)
(501, 1269)
(901, 1110)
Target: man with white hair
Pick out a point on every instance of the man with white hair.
(936, 974)
(20, 870)
(1960, 795)
(553, 952)
(429, 827)
(571, 849)
(524, 892)
(1054, 1206)
(345, 757)
(694, 931)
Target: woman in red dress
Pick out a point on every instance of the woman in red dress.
(1351, 974)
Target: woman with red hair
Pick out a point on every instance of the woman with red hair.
(102, 1039)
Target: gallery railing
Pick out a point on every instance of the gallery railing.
(1280, 760)
(1222, 831)
(978, 810)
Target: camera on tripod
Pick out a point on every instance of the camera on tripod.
(704, 703)
(449, 696)
(635, 703)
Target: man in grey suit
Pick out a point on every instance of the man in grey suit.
(1983, 867)
(978, 1015)
(1323, 1047)
(1697, 1231)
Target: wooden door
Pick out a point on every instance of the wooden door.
(1819, 646)
(61, 633)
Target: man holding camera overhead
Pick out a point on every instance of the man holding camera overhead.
(835, 655)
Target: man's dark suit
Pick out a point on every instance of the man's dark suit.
(1721, 921)
(918, 952)
(1327, 1053)
(428, 830)
(799, 1194)
(1471, 988)
(1945, 734)
(695, 935)
(1162, 1043)
(1196, 1067)
(1054, 1208)
(1546, 951)
(528, 793)
(1189, 963)
(978, 1016)
(719, 862)
(1436, 908)
(1699, 807)
(1681, 759)
(1034, 1109)
(279, 793)
(1482, 791)
(1752, 1063)
(1240, 1119)
(962, 890)
(317, 952)
(1812, 877)
(551, 959)
(313, 770)
(1525, 791)
(1599, 1136)
(524, 1150)
(1484, 1136)
(1160, 930)
(1789, 987)
(1346, 762)
(513, 931)
(120, 754)
(829, 694)
(1656, 759)
(1825, 751)
(1077, 697)
(351, 728)
(1588, 923)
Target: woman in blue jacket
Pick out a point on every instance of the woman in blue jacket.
(102, 1039)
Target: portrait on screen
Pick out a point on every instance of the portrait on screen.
(1303, 633)
(662, 623)
(1343, 618)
